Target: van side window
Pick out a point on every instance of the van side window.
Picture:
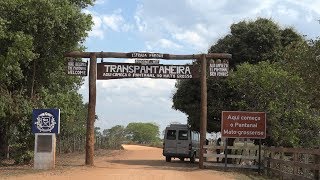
(195, 136)
(171, 134)
(183, 135)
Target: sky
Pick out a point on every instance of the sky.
(173, 27)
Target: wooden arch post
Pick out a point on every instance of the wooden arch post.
(92, 89)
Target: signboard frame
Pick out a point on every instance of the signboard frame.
(112, 70)
(237, 116)
(218, 68)
(46, 121)
(77, 68)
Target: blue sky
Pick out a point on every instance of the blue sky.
(174, 27)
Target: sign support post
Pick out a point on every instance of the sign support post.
(91, 110)
(45, 126)
(259, 167)
(203, 120)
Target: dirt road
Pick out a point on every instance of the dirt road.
(133, 163)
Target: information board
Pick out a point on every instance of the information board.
(77, 68)
(110, 70)
(241, 124)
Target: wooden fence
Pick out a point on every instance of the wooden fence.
(292, 163)
(240, 155)
(285, 163)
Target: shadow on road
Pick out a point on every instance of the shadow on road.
(160, 164)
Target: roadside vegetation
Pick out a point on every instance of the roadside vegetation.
(273, 69)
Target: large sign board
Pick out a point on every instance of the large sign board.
(77, 68)
(219, 68)
(240, 124)
(46, 121)
(109, 70)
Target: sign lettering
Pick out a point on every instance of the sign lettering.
(219, 69)
(145, 55)
(146, 61)
(77, 68)
(110, 70)
(238, 124)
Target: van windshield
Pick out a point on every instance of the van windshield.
(171, 134)
(183, 135)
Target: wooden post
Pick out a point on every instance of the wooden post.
(203, 119)
(259, 167)
(226, 154)
(317, 162)
(91, 110)
(295, 160)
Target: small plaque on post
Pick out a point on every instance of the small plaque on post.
(44, 143)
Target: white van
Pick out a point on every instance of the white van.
(180, 142)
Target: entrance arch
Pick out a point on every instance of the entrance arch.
(202, 58)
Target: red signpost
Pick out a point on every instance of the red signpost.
(240, 124)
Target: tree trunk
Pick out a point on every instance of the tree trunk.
(3, 144)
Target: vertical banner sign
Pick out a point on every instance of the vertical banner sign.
(108, 70)
(218, 68)
(46, 121)
(77, 68)
(240, 124)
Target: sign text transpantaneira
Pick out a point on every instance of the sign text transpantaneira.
(110, 70)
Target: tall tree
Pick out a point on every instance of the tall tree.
(34, 35)
(143, 132)
(268, 88)
(248, 41)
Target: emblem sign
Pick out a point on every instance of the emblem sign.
(46, 121)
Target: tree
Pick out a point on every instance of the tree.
(248, 41)
(115, 136)
(34, 35)
(143, 132)
(255, 41)
(268, 88)
(300, 58)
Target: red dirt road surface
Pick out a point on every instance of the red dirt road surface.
(133, 163)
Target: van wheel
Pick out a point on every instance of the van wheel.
(181, 159)
(168, 159)
(193, 158)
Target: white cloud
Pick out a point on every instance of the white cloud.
(193, 38)
(113, 21)
(162, 44)
(99, 2)
(282, 10)
(97, 30)
(139, 22)
(104, 22)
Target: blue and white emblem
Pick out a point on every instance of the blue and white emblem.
(46, 121)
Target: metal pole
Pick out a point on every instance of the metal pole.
(91, 110)
(203, 119)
